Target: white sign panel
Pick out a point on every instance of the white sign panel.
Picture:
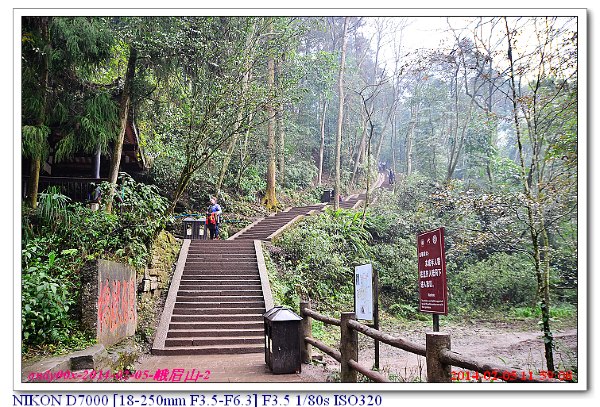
(363, 292)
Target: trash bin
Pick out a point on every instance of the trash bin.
(327, 196)
(194, 228)
(282, 340)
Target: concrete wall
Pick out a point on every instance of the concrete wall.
(108, 299)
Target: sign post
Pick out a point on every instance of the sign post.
(433, 287)
(366, 299)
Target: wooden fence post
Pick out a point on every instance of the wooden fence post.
(435, 343)
(348, 348)
(306, 332)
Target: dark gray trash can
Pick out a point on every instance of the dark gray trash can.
(282, 340)
(327, 195)
(194, 228)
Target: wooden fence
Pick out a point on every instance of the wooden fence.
(439, 357)
(79, 189)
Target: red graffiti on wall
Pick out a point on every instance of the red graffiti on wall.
(116, 305)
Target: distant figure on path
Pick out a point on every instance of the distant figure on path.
(213, 217)
(391, 177)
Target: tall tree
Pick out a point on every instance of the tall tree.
(535, 109)
(280, 109)
(61, 93)
(124, 109)
(248, 59)
(35, 133)
(270, 198)
(338, 138)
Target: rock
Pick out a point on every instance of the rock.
(94, 357)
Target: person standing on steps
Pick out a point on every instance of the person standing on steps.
(213, 217)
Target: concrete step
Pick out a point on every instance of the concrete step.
(210, 333)
(217, 311)
(217, 325)
(215, 287)
(217, 273)
(222, 293)
(224, 305)
(215, 243)
(222, 277)
(219, 265)
(222, 257)
(222, 274)
(192, 280)
(209, 350)
(223, 250)
(218, 299)
(218, 319)
(249, 268)
(264, 228)
(218, 244)
(226, 251)
(220, 341)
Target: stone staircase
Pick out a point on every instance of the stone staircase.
(352, 201)
(268, 227)
(219, 302)
(220, 290)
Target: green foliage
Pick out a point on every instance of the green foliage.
(97, 127)
(501, 280)
(560, 311)
(47, 295)
(299, 174)
(35, 141)
(52, 208)
(63, 235)
(321, 252)
(251, 183)
(316, 257)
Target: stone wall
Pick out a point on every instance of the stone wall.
(158, 275)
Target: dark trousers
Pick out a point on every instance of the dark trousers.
(214, 231)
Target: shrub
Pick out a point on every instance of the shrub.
(61, 235)
(501, 280)
(322, 251)
(47, 298)
(299, 174)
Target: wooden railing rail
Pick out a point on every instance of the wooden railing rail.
(327, 349)
(439, 357)
(322, 318)
(396, 342)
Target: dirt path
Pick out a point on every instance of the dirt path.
(517, 345)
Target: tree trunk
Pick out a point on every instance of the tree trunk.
(243, 154)
(36, 161)
(393, 142)
(541, 274)
(184, 180)
(359, 151)
(410, 134)
(322, 144)
(338, 138)
(240, 113)
(34, 180)
(280, 132)
(115, 161)
(383, 130)
(270, 199)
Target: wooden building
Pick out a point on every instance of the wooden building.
(78, 176)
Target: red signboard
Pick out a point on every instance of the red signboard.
(433, 291)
